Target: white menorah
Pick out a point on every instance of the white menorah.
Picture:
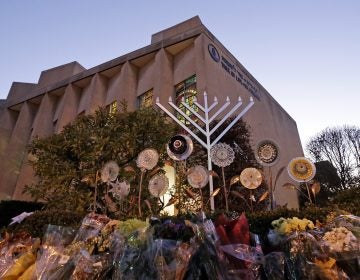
(207, 120)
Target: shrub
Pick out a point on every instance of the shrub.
(37, 222)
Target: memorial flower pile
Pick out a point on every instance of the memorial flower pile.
(183, 248)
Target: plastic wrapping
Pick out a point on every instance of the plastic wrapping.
(300, 250)
(274, 266)
(342, 243)
(11, 248)
(21, 264)
(90, 227)
(51, 256)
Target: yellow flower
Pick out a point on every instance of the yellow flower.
(325, 264)
(301, 169)
(285, 226)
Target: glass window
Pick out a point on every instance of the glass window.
(112, 108)
(146, 99)
(187, 90)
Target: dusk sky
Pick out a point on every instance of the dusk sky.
(305, 53)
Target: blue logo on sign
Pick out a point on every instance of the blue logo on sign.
(213, 53)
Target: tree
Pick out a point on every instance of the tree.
(340, 146)
(67, 164)
(327, 177)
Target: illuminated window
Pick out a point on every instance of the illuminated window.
(112, 108)
(146, 99)
(186, 90)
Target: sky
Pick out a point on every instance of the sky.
(305, 53)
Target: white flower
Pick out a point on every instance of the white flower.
(250, 178)
(198, 176)
(222, 154)
(158, 185)
(147, 159)
(120, 189)
(109, 172)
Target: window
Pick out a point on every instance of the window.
(112, 108)
(186, 90)
(146, 99)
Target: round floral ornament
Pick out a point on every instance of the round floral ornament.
(147, 159)
(301, 169)
(109, 172)
(180, 147)
(267, 152)
(158, 185)
(250, 178)
(198, 176)
(222, 154)
(120, 189)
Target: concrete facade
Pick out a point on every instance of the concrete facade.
(174, 55)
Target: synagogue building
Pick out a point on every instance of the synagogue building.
(185, 60)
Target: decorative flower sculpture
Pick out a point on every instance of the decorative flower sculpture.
(109, 172)
(198, 176)
(158, 185)
(250, 178)
(180, 147)
(267, 152)
(120, 189)
(222, 154)
(147, 159)
(301, 169)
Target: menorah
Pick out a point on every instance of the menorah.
(206, 120)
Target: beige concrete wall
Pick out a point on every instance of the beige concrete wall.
(59, 73)
(164, 80)
(266, 118)
(16, 150)
(98, 87)
(146, 77)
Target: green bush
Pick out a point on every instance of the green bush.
(37, 222)
(348, 200)
(12, 208)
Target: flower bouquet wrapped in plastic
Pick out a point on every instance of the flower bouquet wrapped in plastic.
(207, 261)
(127, 248)
(300, 249)
(11, 248)
(344, 247)
(243, 260)
(91, 226)
(52, 256)
(20, 264)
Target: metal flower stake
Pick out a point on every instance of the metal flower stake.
(206, 119)
(223, 155)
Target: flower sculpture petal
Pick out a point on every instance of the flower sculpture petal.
(301, 169)
(267, 152)
(250, 178)
(158, 185)
(120, 189)
(147, 159)
(109, 172)
(198, 176)
(222, 154)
